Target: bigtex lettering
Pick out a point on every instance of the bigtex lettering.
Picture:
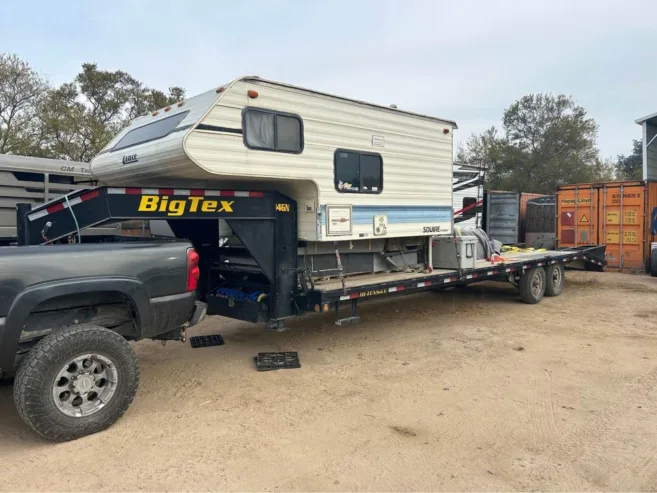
(155, 203)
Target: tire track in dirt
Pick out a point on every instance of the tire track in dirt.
(544, 428)
(638, 474)
(541, 405)
(589, 448)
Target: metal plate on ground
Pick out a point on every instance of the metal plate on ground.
(277, 361)
(206, 341)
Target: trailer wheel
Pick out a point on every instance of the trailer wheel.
(532, 285)
(653, 262)
(77, 381)
(555, 277)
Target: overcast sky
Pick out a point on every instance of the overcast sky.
(462, 60)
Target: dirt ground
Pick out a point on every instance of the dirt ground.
(467, 390)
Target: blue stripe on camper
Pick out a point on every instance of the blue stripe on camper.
(398, 214)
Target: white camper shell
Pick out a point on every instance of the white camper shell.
(356, 170)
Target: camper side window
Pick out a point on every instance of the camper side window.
(270, 131)
(358, 172)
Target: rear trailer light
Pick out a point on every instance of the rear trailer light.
(193, 272)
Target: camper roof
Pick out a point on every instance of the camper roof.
(389, 108)
(204, 102)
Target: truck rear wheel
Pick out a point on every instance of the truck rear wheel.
(555, 277)
(532, 285)
(77, 381)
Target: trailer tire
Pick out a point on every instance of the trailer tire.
(77, 381)
(532, 285)
(653, 262)
(555, 276)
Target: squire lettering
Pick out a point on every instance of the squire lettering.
(433, 229)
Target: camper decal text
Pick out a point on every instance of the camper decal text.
(434, 229)
(177, 207)
(131, 158)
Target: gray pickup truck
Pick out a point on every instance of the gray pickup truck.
(66, 314)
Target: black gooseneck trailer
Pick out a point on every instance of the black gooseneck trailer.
(260, 280)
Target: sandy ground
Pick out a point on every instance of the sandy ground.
(468, 390)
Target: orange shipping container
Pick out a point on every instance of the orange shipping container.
(615, 214)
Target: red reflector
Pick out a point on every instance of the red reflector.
(165, 191)
(133, 191)
(55, 208)
(353, 295)
(227, 193)
(256, 194)
(197, 193)
(400, 288)
(89, 195)
(193, 272)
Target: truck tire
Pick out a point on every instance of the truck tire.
(555, 276)
(76, 381)
(532, 285)
(653, 262)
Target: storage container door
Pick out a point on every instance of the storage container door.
(622, 219)
(577, 216)
(503, 217)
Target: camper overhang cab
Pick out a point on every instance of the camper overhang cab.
(375, 180)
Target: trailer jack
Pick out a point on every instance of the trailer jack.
(353, 319)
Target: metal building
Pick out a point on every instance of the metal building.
(649, 126)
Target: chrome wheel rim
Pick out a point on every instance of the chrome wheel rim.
(85, 385)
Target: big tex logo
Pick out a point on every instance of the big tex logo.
(178, 207)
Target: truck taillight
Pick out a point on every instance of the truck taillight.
(193, 271)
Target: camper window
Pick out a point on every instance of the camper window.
(153, 131)
(358, 172)
(271, 131)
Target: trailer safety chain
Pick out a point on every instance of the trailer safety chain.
(77, 226)
(340, 269)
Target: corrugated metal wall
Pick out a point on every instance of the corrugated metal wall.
(650, 152)
(503, 216)
(615, 214)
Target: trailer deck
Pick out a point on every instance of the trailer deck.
(372, 285)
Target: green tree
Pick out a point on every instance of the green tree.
(546, 141)
(21, 94)
(630, 167)
(81, 117)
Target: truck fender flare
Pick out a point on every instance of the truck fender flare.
(29, 299)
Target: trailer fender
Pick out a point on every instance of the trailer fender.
(29, 299)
